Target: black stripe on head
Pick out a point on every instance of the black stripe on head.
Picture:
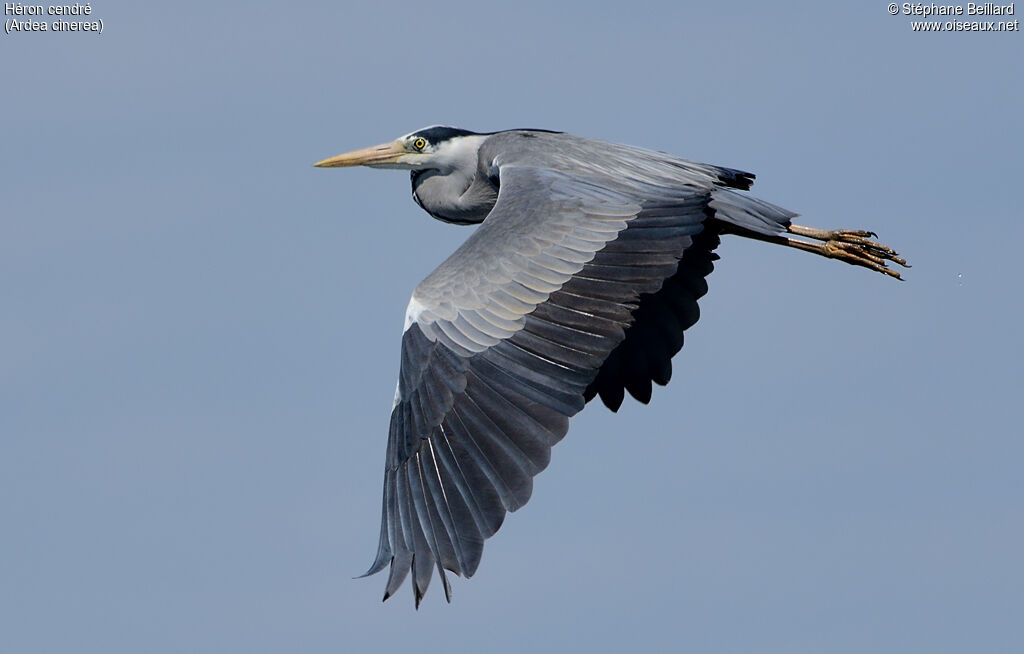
(440, 133)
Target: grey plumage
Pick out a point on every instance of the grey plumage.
(580, 281)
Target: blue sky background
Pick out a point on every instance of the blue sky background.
(199, 333)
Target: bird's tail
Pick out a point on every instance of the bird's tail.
(749, 213)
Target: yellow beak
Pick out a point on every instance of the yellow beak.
(378, 155)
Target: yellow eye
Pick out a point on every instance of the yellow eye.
(419, 144)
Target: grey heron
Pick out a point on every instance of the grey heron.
(579, 282)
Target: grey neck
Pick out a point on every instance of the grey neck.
(453, 197)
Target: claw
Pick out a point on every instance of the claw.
(850, 245)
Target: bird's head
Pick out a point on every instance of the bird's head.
(435, 147)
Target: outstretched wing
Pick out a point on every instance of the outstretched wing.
(502, 341)
(505, 340)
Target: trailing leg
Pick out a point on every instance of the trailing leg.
(850, 245)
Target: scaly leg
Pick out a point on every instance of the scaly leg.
(850, 245)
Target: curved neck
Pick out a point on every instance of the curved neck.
(454, 192)
(452, 197)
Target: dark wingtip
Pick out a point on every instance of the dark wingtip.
(374, 569)
(611, 396)
(613, 402)
(746, 180)
(444, 580)
(737, 179)
(640, 389)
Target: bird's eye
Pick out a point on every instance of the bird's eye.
(419, 144)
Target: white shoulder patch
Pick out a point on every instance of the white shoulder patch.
(398, 395)
(412, 313)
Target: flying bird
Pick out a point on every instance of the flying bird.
(579, 282)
